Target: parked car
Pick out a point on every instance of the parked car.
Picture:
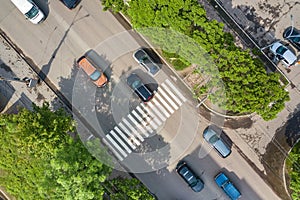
(144, 59)
(140, 88)
(293, 36)
(214, 139)
(31, 11)
(188, 175)
(70, 3)
(223, 182)
(283, 54)
(93, 71)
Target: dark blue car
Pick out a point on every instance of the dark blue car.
(70, 3)
(293, 36)
(141, 89)
(190, 178)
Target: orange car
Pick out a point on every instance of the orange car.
(97, 76)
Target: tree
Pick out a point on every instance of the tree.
(294, 171)
(40, 160)
(243, 86)
(114, 5)
(129, 189)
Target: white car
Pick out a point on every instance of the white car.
(283, 54)
(30, 10)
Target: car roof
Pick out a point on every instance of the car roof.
(275, 46)
(23, 6)
(223, 181)
(144, 59)
(288, 55)
(70, 3)
(219, 145)
(140, 89)
(188, 175)
(86, 65)
(89, 68)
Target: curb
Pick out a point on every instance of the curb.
(177, 75)
(283, 175)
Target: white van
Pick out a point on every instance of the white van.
(30, 10)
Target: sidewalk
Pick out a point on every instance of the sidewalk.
(16, 94)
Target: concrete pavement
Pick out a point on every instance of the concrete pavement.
(14, 93)
(57, 60)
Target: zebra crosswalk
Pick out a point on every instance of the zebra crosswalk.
(144, 120)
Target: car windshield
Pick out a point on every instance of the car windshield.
(136, 84)
(295, 39)
(213, 139)
(280, 50)
(32, 12)
(95, 75)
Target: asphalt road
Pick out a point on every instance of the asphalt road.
(63, 37)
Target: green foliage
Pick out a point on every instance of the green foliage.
(129, 189)
(114, 5)
(39, 160)
(200, 90)
(294, 171)
(190, 35)
(178, 62)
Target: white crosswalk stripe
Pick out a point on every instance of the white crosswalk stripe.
(138, 125)
(120, 141)
(134, 131)
(159, 98)
(124, 137)
(116, 145)
(143, 120)
(146, 118)
(161, 108)
(154, 117)
(129, 134)
(150, 104)
(166, 88)
(169, 99)
(175, 90)
(112, 149)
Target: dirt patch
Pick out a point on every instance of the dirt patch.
(244, 122)
(185, 72)
(273, 161)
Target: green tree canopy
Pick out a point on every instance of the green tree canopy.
(294, 171)
(248, 88)
(129, 189)
(40, 160)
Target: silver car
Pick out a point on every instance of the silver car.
(144, 59)
(214, 139)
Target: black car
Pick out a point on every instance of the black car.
(144, 59)
(188, 175)
(141, 89)
(293, 36)
(70, 3)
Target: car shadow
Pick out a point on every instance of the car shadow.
(100, 61)
(44, 6)
(153, 55)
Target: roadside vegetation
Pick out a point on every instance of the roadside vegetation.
(248, 88)
(42, 158)
(293, 168)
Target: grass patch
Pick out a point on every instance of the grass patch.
(177, 62)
